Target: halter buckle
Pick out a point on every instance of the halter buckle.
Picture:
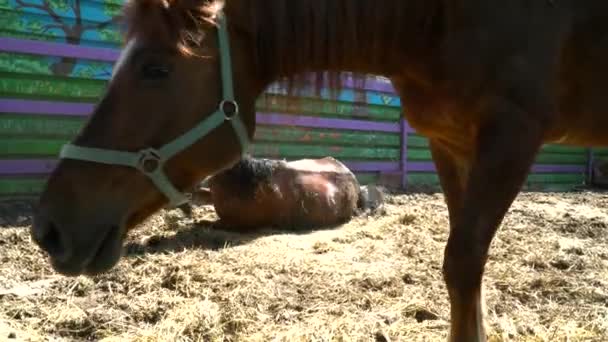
(230, 109)
(149, 161)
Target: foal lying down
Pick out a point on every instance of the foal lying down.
(301, 194)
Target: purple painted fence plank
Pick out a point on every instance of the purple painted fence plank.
(317, 122)
(45, 166)
(372, 166)
(421, 167)
(37, 47)
(28, 166)
(83, 109)
(558, 168)
(430, 167)
(57, 49)
(45, 107)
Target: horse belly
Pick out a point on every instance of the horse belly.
(582, 107)
(321, 202)
(583, 110)
(580, 128)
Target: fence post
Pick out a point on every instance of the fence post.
(404, 135)
(590, 162)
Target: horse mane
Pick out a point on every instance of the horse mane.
(247, 175)
(333, 33)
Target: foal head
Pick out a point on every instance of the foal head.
(167, 80)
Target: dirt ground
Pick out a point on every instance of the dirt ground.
(377, 278)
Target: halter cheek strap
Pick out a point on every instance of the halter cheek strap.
(151, 161)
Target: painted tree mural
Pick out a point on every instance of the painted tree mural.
(67, 20)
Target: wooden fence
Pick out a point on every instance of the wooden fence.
(55, 60)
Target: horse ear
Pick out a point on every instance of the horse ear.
(173, 5)
(146, 4)
(137, 8)
(208, 5)
(192, 10)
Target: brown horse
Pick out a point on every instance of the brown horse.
(301, 194)
(487, 81)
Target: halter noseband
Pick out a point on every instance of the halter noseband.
(150, 161)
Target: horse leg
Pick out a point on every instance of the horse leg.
(452, 174)
(505, 147)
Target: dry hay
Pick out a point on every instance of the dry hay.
(375, 278)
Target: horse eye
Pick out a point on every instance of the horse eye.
(154, 71)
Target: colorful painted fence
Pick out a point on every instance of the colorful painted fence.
(56, 57)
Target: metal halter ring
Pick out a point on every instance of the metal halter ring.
(230, 109)
(149, 161)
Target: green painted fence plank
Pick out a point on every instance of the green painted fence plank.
(311, 151)
(11, 147)
(600, 152)
(12, 186)
(277, 134)
(29, 67)
(18, 147)
(19, 125)
(318, 107)
(26, 35)
(17, 63)
(23, 147)
(50, 147)
(367, 178)
(90, 90)
(33, 126)
(419, 154)
(556, 178)
(418, 141)
(539, 181)
(42, 87)
(566, 187)
(24, 64)
(426, 178)
(573, 159)
(552, 148)
(21, 186)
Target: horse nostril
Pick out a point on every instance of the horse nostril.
(48, 237)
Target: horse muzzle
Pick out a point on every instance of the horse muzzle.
(78, 249)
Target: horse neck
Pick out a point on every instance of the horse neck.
(361, 36)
